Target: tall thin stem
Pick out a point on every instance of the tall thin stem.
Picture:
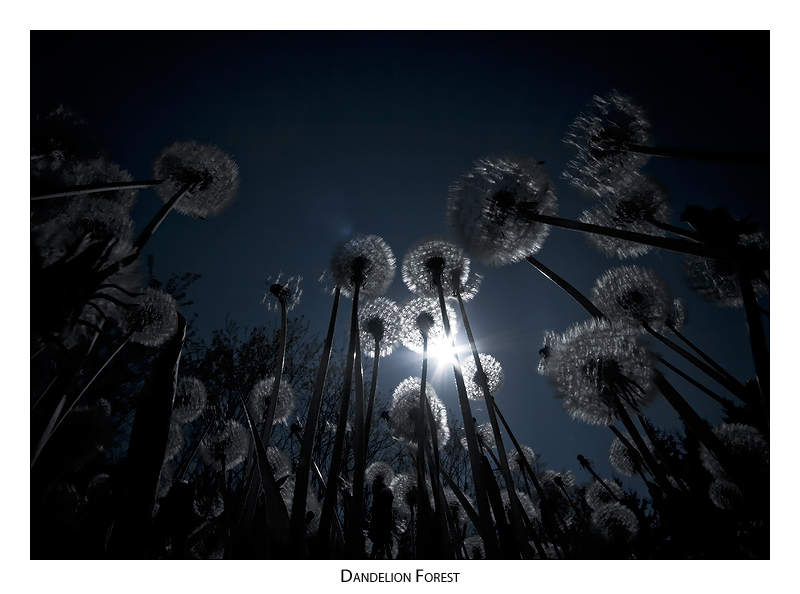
(92, 188)
(579, 297)
(372, 388)
(297, 529)
(516, 507)
(484, 511)
(323, 532)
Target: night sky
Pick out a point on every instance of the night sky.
(339, 133)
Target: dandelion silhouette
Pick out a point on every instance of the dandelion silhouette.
(405, 422)
(747, 446)
(604, 137)
(211, 175)
(410, 334)
(190, 400)
(622, 459)
(228, 446)
(615, 522)
(597, 493)
(260, 396)
(156, 318)
(595, 362)
(641, 207)
(490, 374)
(287, 292)
(633, 295)
(484, 209)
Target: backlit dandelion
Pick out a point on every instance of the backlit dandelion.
(747, 446)
(190, 400)
(410, 334)
(492, 376)
(485, 435)
(597, 494)
(379, 468)
(175, 441)
(549, 481)
(283, 288)
(604, 162)
(515, 460)
(594, 363)
(528, 507)
(615, 522)
(260, 395)
(230, 444)
(404, 421)
(621, 458)
(638, 207)
(379, 322)
(404, 488)
(364, 260)
(717, 280)
(431, 262)
(212, 177)
(485, 209)
(725, 494)
(633, 295)
(156, 318)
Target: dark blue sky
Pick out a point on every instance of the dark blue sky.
(343, 133)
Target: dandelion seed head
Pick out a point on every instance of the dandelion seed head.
(260, 395)
(717, 281)
(376, 469)
(747, 446)
(515, 461)
(156, 317)
(485, 209)
(603, 164)
(615, 522)
(404, 415)
(404, 489)
(410, 333)
(230, 443)
(633, 208)
(593, 361)
(621, 458)
(492, 376)
(633, 295)
(485, 435)
(286, 289)
(596, 494)
(549, 481)
(379, 319)
(190, 400)
(366, 260)
(432, 261)
(725, 494)
(213, 174)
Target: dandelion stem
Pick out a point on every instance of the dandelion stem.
(486, 529)
(579, 297)
(372, 389)
(758, 342)
(154, 223)
(297, 529)
(736, 253)
(92, 188)
(323, 532)
(699, 155)
(735, 387)
(723, 401)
